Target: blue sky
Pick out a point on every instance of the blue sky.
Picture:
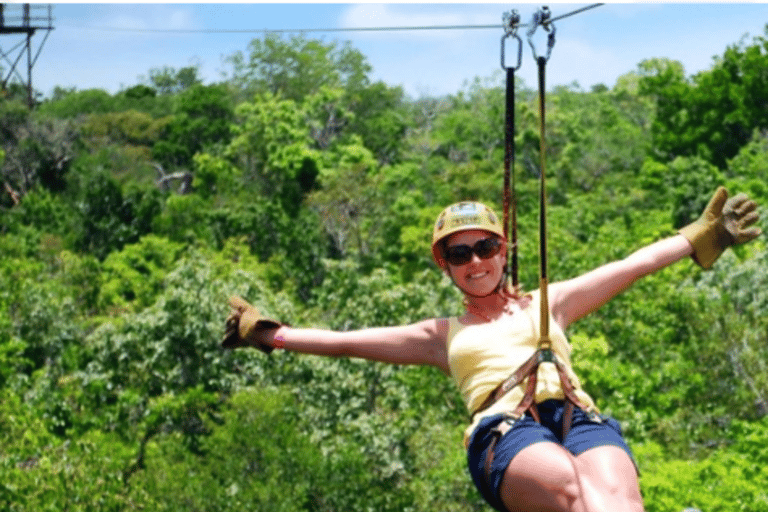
(88, 49)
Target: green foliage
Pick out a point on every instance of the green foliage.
(725, 480)
(473, 129)
(746, 171)
(381, 121)
(38, 153)
(202, 116)
(213, 174)
(132, 277)
(272, 146)
(313, 195)
(169, 346)
(292, 245)
(588, 131)
(113, 218)
(387, 301)
(71, 103)
(43, 209)
(686, 183)
(168, 80)
(129, 127)
(713, 114)
(297, 67)
(12, 115)
(349, 192)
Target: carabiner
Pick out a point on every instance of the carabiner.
(510, 21)
(542, 17)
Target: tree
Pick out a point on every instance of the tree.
(713, 114)
(272, 145)
(381, 119)
(113, 218)
(38, 153)
(202, 116)
(297, 67)
(169, 80)
(70, 103)
(349, 195)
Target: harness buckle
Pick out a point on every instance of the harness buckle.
(505, 425)
(546, 355)
(594, 416)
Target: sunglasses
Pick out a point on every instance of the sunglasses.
(462, 254)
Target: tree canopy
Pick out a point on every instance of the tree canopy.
(306, 187)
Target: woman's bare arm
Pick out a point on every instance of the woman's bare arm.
(421, 343)
(572, 299)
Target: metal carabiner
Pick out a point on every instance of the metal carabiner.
(542, 17)
(511, 20)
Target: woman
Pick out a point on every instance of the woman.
(549, 458)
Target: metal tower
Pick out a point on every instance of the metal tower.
(22, 20)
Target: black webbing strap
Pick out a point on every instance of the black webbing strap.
(511, 21)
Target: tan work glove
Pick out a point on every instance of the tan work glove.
(246, 327)
(725, 222)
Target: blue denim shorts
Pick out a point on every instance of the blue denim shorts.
(583, 435)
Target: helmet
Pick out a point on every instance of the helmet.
(463, 216)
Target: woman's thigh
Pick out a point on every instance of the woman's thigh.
(542, 477)
(546, 477)
(609, 479)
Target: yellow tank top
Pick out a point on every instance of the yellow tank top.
(481, 356)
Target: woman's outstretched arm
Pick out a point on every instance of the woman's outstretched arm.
(419, 343)
(724, 222)
(572, 299)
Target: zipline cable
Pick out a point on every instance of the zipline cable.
(306, 30)
(572, 13)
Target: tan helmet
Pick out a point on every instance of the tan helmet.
(463, 216)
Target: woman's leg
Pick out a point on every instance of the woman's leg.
(545, 477)
(609, 479)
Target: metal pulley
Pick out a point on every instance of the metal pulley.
(511, 21)
(542, 18)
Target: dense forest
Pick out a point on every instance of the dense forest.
(297, 182)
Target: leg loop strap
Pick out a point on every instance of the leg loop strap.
(497, 432)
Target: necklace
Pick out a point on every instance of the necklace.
(476, 310)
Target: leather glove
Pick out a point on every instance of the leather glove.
(725, 222)
(246, 327)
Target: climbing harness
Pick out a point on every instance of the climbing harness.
(544, 353)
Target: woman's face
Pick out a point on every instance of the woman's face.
(478, 277)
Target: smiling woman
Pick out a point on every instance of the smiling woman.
(536, 441)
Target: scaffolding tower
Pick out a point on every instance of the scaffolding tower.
(22, 20)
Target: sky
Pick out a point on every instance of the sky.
(113, 46)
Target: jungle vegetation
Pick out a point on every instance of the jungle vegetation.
(299, 183)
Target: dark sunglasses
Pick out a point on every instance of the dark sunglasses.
(462, 254)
